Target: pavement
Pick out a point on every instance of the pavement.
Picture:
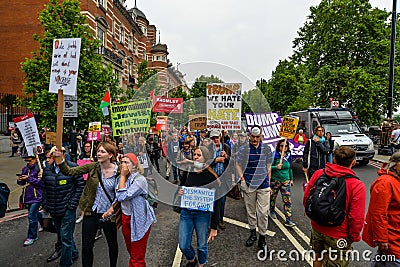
(11, 166)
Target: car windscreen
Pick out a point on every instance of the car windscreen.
(339, 128)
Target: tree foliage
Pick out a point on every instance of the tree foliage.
(147, 81)
(199, 87)
(341, 52)
(65, 21)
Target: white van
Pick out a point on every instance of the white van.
(343, 127)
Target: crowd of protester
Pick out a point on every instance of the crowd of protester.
(116, 170)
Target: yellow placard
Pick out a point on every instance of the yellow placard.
(288, 127)
(198, 122)
(94, 127)
(51, 138)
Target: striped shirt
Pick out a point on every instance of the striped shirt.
(256, 173)
(101, 202)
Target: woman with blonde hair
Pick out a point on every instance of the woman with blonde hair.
(97, 199)
(137, 214)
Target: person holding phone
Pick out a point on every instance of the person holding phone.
(30, 178)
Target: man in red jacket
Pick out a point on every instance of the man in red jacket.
(326, 239)
(382, 227)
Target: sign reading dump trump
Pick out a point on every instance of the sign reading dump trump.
(196, 198)
(288, 127)
(224, 106)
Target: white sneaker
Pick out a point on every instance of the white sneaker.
(40, 228)
(80, 219)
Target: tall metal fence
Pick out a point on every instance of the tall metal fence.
(9, 109)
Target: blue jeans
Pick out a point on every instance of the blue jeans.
(65, 226)
(194, 220)
(222, 208)
(34, 216)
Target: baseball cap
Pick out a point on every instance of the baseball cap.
(242, 134)
(215, 133)
(256, 130)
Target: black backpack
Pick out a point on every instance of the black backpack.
(326, 203)
(4, 193)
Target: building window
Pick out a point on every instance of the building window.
(144, 55)
(164, 58)
(157, 58)
(144, 30)
(130, 42)
(121, 35)
(113, 28)
(100, 36)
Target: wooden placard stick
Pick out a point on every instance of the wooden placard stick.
(60, 112)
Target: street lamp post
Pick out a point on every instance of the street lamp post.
(391, 63)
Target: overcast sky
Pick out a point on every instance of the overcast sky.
(241, 41)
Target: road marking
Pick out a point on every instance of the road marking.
(296, 229)
(13, 217)
(244, 225)
(177, 258)
(294, 241)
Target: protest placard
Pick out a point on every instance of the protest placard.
(197, 198)
(224, 106)
(28, 128)
(106, 129)
(130, 118)
(64, 65)
(197, 122)
(168, 105)
(288, 127)
(94, 131)
(51, 138)
(162, 123)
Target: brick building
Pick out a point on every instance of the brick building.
(127, 39)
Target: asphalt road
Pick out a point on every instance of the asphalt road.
(227, 250)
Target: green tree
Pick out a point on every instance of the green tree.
(147, 81)
(199, 87)
(179, 93)
(344, 49)
(64, 20)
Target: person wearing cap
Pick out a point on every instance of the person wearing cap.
(97, 199)
(203, 222)
(252, 164)
(300, 137)
(383, 217)
(221, 153)
(137, 214)
(31, 195)
(330, 238)
(62, 194)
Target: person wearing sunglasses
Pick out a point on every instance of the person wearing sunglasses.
(315, 152)
(282, 180)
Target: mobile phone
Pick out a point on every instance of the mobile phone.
(18, 174)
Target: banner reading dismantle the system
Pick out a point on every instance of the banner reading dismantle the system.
(224, 106)
(129, 118)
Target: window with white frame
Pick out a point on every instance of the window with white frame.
(130, 42)
(144, 55)
(100, 35)
(121, 34)
(102, 3)
(113, 28)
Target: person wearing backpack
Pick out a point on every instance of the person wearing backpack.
(137, 214)
(337, 228)
(383, 217)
